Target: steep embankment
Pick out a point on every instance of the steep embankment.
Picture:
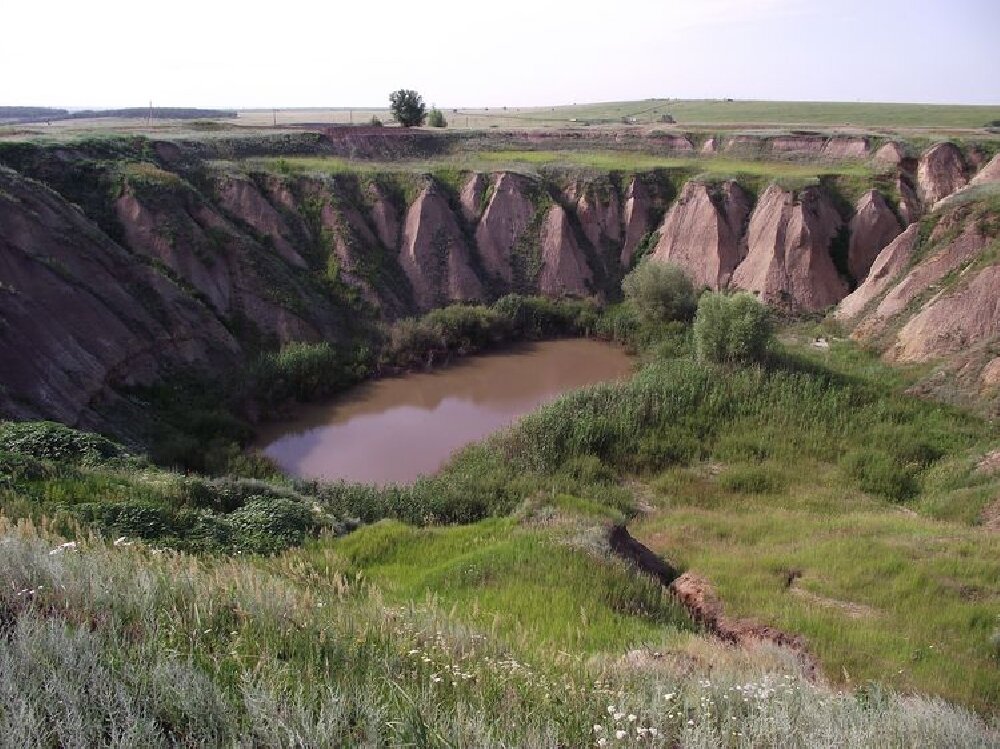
(242, 256)
(80, 316)
(933, 296)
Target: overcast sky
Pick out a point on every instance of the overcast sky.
(284, 53)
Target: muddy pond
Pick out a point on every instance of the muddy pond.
(395, 429)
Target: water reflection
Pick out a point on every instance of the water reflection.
(395, 429)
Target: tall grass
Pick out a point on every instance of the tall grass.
(114, 646)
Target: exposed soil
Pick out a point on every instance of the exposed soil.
(698, 596)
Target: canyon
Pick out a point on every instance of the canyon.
(124, 262)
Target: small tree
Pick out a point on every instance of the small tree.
(660, 292)
(375, 121)
(436, 118)
(407, 107)
(731, 328)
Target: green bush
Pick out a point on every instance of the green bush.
(303, 371)
(18, 467)
(47, 440)
(731, 328)
(660, 292)
(436, 119)
(535, 317)
(619, 323)
(133, 519)
(267, 525)
(228, 493)
(465, 328)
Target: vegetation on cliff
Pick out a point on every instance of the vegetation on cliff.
(198, 597)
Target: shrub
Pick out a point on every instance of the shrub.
(17, 467)
(269, 524)
(133, 519)
(436, 118)
(465, 328)
(228, 494)
(734, 328)
(47, 440)
(534, 317)
(410, 342)
(619, 323)
(660, 292)
(306, 370)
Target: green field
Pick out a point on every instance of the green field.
(920, 120)
(738, 113)
(521, 160)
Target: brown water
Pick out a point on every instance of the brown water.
(394, 430)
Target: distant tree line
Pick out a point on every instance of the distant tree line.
(46, 114)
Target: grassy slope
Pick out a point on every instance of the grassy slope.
(146, 649)
(749, 474)
(818, 466)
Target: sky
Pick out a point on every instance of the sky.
(464, 53)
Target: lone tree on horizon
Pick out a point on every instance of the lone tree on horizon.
(407, 107)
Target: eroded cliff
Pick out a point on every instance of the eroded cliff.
(240, 256)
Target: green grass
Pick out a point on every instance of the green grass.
(520, 583)
(890, 595)
(116, 645)
(494, 160)
(719, 112)
(633, 161)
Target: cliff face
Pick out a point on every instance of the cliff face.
(702, 231)
(81, 317)
(873, 226)
(933, 297)
(204, 260)
(504, 223)
(941, 172)
(434, 254)
(788, 262)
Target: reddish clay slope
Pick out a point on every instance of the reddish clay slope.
(701, 232)
(83, 315)
(788, 263)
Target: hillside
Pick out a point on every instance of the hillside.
(219, 253)
(794, 546)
